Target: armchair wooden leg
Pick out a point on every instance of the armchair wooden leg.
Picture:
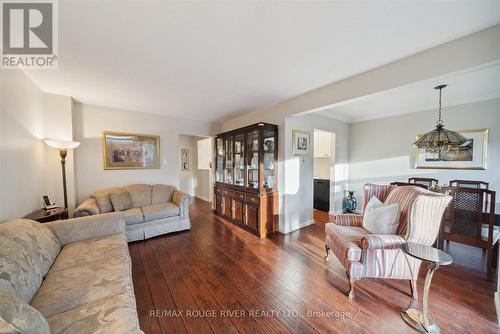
(350, 293)
(413, 288)
(327, 249)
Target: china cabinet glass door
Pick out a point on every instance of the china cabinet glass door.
(239, 165)
(229, 163)
(219, 168)
(269, 149)
(252, 160)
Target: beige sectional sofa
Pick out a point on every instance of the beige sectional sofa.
(69, 276)
(153, 209)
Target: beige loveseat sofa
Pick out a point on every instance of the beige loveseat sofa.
(153, 210)
(75, 274)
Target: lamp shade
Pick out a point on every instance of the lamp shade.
(65, 145)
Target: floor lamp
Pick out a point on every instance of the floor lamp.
(63, 147)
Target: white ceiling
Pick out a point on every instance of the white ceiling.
(465, 87)
(214, 60)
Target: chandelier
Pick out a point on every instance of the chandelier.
(440, 140)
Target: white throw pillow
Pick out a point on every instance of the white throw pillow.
(380, 218)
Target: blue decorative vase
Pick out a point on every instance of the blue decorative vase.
(350, 202)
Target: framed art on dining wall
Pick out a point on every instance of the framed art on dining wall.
(185, 160)
(471, 155)
(300, 142)
(123, 150)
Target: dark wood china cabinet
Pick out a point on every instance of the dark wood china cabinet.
(246, 191)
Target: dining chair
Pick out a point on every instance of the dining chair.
(469, 184)
(402, 184)
(471, 221)
(427, 182)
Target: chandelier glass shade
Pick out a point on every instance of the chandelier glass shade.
(440, 139)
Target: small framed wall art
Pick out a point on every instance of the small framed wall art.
(300, 142)
(185, 160)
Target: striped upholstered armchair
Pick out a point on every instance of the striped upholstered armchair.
(379, 256)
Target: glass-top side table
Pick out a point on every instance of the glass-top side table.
(420, 319)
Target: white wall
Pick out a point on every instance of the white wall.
(188, 180)
(22, 158)
(89, 123)
(299, 171)
(28, 167)
(381, 150)
(58, 124)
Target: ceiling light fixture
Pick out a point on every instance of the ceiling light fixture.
(440, 139)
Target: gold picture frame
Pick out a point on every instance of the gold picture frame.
(124, 150)
(301, 141)
(478, 161)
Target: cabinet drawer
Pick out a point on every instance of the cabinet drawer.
(233, 194)
(252, 199)
(218, 191)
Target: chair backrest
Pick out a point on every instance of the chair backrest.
(379, 190)
(404, 196)
(425, 216)
(402, 184)
(469, 184)
(427, 182)
(421, 210)
(470, 208)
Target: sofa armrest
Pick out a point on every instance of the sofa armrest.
(86, 228)
(182, 200)
(349, 219)
(382, 241)
(87, 208)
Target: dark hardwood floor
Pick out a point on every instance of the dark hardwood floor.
(282, 285)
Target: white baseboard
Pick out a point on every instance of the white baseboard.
(298, 227)
(333, 213)
(497, 305)
(202, 198)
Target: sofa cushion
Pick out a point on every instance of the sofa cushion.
(95, 252)
(20, 275)
(18, 317)
(159, 211)
(133, 216)
(39, 241)
(102, 198)
(345, 241)
(75, 286)
(115, 314)
(120, 201)
(162, 193)
(140, 194)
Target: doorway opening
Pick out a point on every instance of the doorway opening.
(324, 170)
(195, 166)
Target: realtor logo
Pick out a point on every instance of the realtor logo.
(29, 34)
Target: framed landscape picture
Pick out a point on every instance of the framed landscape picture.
(300, 142)
(130, 150)
(471, 155)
